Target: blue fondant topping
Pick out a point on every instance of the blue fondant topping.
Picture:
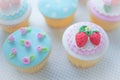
(16, 15)
(16, 52)
(58, 8)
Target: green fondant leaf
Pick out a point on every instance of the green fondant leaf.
(22, 41)
(28, 29)
(88, 33)
(32, 58)
(43, 33)
(107, 8)
(11, 55)
(44, 49)
(82, 29)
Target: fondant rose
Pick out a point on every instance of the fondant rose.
(40, 35)
(23, 31)
(14, 51)
(11, 38)
(39, 48)
(26, 60)
(27, 43)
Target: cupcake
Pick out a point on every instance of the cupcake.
(58, 13)
(105, 13)
(14, 14)
(85, 44)
(27, 49)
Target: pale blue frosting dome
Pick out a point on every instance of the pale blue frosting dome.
(27, 47)
(58, 8)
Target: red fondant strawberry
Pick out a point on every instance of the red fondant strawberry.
(95, 38)
(81, 39)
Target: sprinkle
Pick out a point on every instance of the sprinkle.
(26, 60)
(65, 9)
(27, 43)
(11, 38)
(47, 6)
(54, 14)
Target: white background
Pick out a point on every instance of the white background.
(58, 66)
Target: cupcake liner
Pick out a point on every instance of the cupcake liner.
(82, 63)
(12, 28)
(58, 23)
(106, 25)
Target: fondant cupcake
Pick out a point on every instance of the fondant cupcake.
(27, 49)
(58, 13)
(105, 13)
(85, 43)
(14, 14)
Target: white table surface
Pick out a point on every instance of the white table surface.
(58, 67)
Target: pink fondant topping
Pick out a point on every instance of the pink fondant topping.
(26, 60)
(11, 38)
(27, 43)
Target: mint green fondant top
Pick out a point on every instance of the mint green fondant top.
(18, 14)
(27, 47)
(58, 8)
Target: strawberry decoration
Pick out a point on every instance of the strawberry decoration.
(95, 38)
(81, 39)
(84, 34)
